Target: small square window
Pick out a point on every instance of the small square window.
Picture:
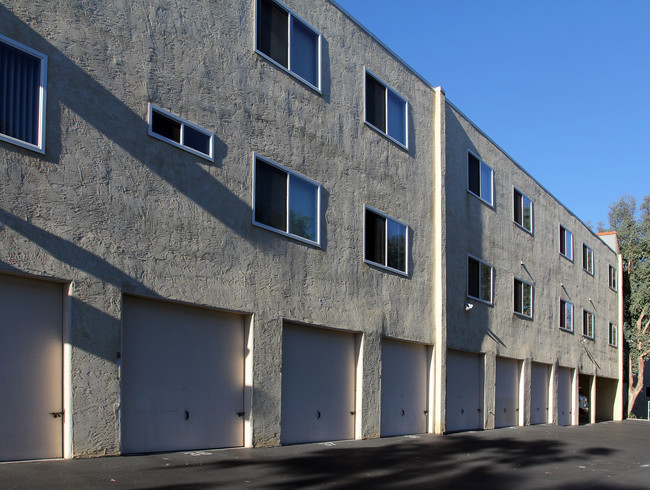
(523, 298)
(479, 280)
(480, 179)
(613, 335)
(22, 95)
(385, 241)
(612, 278)
(386, 110)
(587, 259)
(167, 127)
(286, 202)
(288, 41)
(566, 243)
(523, 211)
(566, 315)
(588, 324)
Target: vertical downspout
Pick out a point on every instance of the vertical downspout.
(439, 285)
(68, 449)
(618, 404)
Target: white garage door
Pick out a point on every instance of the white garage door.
(464, 391)
(182, 377)
(318, 385)
(403, 388)
(564, 398)
(539, 384)
(507, 393)
(31, 369)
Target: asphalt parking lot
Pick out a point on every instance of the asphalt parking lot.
(597, 456)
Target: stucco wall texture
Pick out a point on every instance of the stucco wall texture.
(490, 234)
(109, 210)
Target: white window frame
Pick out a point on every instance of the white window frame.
(390, 89)
(388, 218)
(590, 259)
(532, 300)
(613, 334)
(585, 330)
(42, 93)
(183, 122)
(612, 278)
(568, 306)
(292, 18)
(482, 166)
(568, 247)
(522, 197)
(289, 173)
(481, 264)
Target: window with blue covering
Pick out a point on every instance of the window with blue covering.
(523, 211)
(176, 131)
(566, 243)
(286, 202)
(22, 95)
(385, 241)
(386, 110)
(288, 41)
(523, 298)
(480, 179)
(479, 279)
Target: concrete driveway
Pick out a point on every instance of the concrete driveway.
(604, 455)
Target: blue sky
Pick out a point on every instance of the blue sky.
(562, 86)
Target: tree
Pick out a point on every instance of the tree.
(633, 231)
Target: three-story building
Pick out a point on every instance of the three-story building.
(253, 224)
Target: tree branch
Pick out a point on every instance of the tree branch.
(639, 322)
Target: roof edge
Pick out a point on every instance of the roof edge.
(383, 45)
(518, 165)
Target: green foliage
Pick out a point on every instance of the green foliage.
(633, 230)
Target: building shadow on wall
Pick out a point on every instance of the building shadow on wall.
(101, 342)
(72, 255)
(465, 225)
(126, 129)
(468, 318)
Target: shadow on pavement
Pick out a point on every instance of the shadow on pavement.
(459, 461)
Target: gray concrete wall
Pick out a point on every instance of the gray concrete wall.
(110, 210)
(491, 235)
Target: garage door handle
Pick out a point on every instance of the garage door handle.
(240, 414)
(352, 413)
(56, 415)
